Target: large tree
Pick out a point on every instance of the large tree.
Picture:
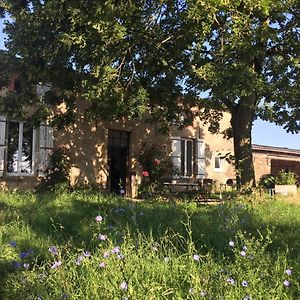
(126, 58)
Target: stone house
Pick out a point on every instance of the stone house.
(106, 154)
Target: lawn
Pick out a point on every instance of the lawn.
(85, 245)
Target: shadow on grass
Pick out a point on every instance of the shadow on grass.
(69, 219)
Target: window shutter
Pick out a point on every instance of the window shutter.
(46, 146)
(176, 155)
(2, 143)
(200, 159)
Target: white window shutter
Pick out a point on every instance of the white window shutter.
(45, 147)
(200, 159)
(176, 155)
(2, 143)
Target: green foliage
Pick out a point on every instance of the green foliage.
(206, 251)
(286, 177)
(57, 171)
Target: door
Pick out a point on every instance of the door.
(118, 153)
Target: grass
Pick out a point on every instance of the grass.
(242, 249)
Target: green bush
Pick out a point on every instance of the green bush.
(286, 177)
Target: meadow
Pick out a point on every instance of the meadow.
(85, 245)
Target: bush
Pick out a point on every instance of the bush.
(286, 177)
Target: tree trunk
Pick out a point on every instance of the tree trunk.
(241, 122)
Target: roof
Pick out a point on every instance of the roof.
(262, 148)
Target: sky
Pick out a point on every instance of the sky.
(264, 133)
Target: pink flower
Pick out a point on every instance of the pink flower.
(99, 219)
(145, 173)
(157, 162)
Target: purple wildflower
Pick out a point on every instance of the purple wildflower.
(288, 272)
(245, 248)
(23, 255)
(243, 253)
(286, 283)
(231, 243)
(102, 237)
(56, 264)
(230, 280)
(102, 265)
(116, 250)
(247, 298)
(26, 266)
(244, 283)
(65, 295)
(53, 250)
(12, 243)
(86, 254)
(196, 257)
(123, 286)
(99, 219)
(16, 264)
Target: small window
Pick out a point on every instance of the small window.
(218, 163)
(20, 149)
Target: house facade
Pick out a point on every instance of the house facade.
(107, 154)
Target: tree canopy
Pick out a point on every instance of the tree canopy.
(160, 56)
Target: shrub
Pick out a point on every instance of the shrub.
(286, 177)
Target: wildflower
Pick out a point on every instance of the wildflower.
(243, 253)
(86, 254)
(122, 192)
(154, 249)
(230, 280)
(26, 266)
(102, 237)
(16, 264)
(116, 250)
(39, 298)
(53, 250)
(231, 243)
(12, 243)
(22, 255)
(286, 283)
(145, 173)
(247, 298)
(56, 264)
(65, 295)
(99, 219)
(203, 293)
(245, 248)
(102, 265)
(106, 254)
(196, 257)
(191, 290)
(79, 260)
(123, 286)
(166, 259)
(157, 162)
(244, 283)
(288, 272)
(120, 256)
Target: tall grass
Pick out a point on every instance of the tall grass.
(53, 246)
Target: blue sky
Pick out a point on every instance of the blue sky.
(264, 133)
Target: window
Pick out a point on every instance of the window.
(186, 158)
(20, 148)
(24, 150)
(218, 163)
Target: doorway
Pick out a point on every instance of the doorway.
(118, 154)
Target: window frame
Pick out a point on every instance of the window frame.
(20, 147)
